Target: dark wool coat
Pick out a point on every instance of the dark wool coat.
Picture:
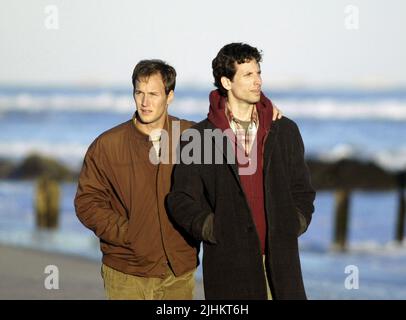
(232, 268)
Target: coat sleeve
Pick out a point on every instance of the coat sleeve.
(301, 187)
(92, 200)
(185, 202)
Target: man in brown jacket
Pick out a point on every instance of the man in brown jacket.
(121, 196)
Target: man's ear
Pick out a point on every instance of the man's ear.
(226, 83)
(171, 95)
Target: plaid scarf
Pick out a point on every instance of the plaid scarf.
(245, 138)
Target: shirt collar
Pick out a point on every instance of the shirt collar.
(231, 118)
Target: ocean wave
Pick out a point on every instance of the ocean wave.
(315, 108)
(388, 109)
(66, 102)
(390, 159)
(72, 154)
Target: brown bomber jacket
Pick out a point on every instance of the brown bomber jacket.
(121, 198)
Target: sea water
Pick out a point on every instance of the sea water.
(335, 124)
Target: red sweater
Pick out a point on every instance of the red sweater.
(252, 184)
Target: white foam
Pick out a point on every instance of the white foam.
(388, 109)
(190, 106)
(91, 103)
(326, 108)
(69, 102)
(71, 154)
(340, 152)
(391, 248)
(390, 159)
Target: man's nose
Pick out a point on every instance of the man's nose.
(258, 80)
(145, 100)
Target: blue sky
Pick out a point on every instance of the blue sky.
(305, 43)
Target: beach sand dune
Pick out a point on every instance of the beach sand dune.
(22, 276)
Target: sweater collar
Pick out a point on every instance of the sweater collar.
(218, 117)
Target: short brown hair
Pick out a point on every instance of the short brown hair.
(147, 68)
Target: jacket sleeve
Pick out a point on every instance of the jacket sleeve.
(301, 188)
(92, 201)
(185, 202)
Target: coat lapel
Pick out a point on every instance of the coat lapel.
(223, 146)
(269, 144)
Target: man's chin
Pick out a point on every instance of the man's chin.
(144, 119)
(255, 100)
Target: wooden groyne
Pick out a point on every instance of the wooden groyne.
(340, 177)
(345, 176)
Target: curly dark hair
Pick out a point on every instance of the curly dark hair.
(147, 68)
(223, 64)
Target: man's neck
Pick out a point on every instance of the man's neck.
(241, 110)
(147, 128)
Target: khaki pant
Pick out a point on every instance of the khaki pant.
(121, 286)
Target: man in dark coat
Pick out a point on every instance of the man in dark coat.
(248, 208)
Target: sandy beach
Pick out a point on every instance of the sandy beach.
(22, 276)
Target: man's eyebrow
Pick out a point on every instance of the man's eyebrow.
(151, 91)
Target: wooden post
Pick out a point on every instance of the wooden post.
(47, 203)
(342, 198)
(400, 221)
